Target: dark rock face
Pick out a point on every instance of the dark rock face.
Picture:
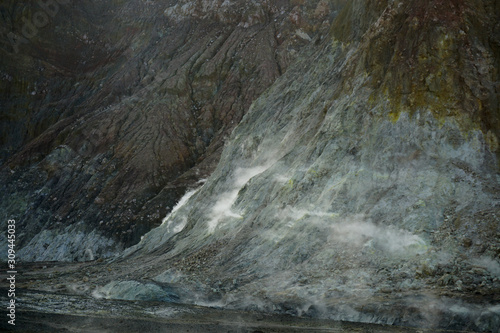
(111, 111)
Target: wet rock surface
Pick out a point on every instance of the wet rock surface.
(70, 313)
(68, 296)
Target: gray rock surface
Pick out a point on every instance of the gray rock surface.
(333, 200)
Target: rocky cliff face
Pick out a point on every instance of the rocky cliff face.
(112, 110)
(362, 185)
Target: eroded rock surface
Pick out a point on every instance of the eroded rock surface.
(112, 110)
(362, 186)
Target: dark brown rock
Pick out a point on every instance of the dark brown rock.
(140, 95)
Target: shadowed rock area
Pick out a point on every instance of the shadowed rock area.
(112, 110)
(361, 185)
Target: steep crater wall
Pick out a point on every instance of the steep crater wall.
(109, 117)
(337, 198)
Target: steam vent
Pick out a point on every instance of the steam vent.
(250, 166)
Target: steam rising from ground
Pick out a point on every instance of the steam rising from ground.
(355, 231)
(386, 238)
(223, 206)
(172, 227)
(181, 203)
(489, 264)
